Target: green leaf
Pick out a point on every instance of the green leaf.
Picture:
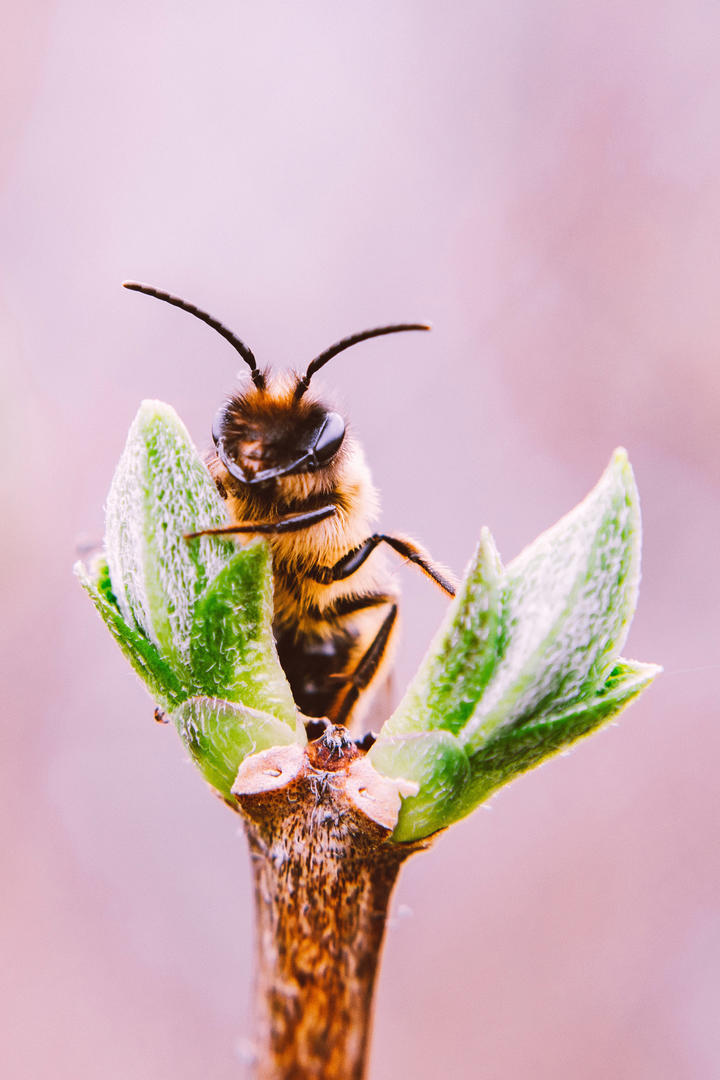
(571, 595)
(526, 662)
(437, 763)
(193, 616)
(101, 573)
(512, 751)
(221, 734)
(157, 675)
(232, 648)
(160, 491)
(463, 655)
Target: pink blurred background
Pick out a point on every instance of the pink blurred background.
(542, 181)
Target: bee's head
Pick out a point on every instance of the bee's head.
(270, 432)
(274, 428)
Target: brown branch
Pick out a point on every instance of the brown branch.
(318, 822)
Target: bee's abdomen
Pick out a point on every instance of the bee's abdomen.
(321, 648)
(316, 667)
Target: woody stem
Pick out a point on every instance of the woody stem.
(323, 873)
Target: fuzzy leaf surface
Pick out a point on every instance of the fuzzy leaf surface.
(526, 662)
(160, 491)
(571, 596)
(220, 734)
(463, 655)
(193, 617)
(437, 763)
(155, 672)
(514, 750)
(232, 648)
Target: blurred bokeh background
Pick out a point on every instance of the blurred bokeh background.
(542, 181)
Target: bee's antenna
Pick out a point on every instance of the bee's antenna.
(340, 346)
(257, 376)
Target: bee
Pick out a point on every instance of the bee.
(290, 469)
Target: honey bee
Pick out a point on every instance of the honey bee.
(289, 469)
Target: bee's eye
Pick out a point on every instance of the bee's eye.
(329, 438)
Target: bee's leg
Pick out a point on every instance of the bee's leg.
(349, 605)
(351, 562)
(284, 524)
(365, 671)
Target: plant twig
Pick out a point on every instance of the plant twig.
(318, 822)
